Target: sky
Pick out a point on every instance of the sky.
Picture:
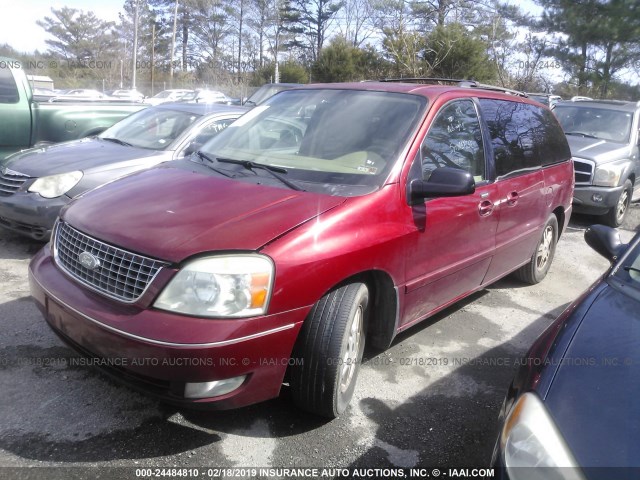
(18, 26)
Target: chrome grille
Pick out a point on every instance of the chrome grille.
(119, 274)
(583, 171)
(11, 181)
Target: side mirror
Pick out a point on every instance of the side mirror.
(443, 182)
(604, 240)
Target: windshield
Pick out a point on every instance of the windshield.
(152, 128)
(602, 123)
(629, 268)
(267, 91)
(325, 139)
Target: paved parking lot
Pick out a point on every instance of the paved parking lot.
(431, 400)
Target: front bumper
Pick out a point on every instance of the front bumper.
(583, 199)
(259, 348)
(30, 214)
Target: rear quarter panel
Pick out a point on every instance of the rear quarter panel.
(559, 180)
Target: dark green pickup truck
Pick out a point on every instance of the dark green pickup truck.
(24, 122)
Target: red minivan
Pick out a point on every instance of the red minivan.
(330, 217)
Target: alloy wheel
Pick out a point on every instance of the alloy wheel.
(544, 249)
(352, 350)
(621, 207)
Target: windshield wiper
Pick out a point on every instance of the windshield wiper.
(117, 140)
(274, 171)
(631, 269)
(204, 156)
(581, 134)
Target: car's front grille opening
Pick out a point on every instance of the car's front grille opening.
(39, 233)
(10, 182)
(136, 380)
(583, 171)
(110, 270)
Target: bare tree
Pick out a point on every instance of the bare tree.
(357, 25)
(259, 20)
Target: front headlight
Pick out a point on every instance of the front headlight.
(55, 185)
(221, 286)
(608, 175)
(530, 438)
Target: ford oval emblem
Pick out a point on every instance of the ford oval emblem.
(88, 261)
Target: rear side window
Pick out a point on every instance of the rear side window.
(8, 89)
(524, 137)
(554, 148)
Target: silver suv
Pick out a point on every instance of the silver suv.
(604, 138)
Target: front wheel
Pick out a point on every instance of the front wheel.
(536, 269)
(329, 349)
(615, 216)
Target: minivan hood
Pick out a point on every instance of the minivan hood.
(172, 213)
(75, 155)
(594, 394)
(600, 151)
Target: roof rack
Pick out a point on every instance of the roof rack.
(436, 80)
(484, 86)
(456, 81)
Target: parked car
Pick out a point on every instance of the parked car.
(82, 93)
(209, 96)
(268, 90)
(25, 123)
(130, 94)
(571, 410)
(604, 136)
(580, 98)
(172, 95)
(35, 184)
(328, 217)
(547, 99)
(43, 94)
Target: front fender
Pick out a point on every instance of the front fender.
(337, 245)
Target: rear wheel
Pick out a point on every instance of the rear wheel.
(330, 347)
(536, 269)
(615, 216)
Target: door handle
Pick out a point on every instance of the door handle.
(512, 198)
(485, 208)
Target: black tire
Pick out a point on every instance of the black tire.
(330, 347)
(536, 269)
(615, 216)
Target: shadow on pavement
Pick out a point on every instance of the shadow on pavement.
(449, 430)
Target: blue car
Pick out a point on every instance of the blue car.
(36, 184)
(573, 408)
